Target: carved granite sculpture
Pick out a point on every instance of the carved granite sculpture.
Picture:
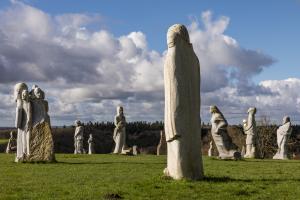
(23, 121)
(226, 148)
(162, 146)
(182, 107)
(250, 131)
(41, 139)
(78, 138)
(34, 141)
(283, 132)
(12, 144)
(91, 144)
(119, 135)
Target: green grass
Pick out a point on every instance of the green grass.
(140, 177)
(3, 141)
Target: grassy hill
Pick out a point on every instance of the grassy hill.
(106, 176)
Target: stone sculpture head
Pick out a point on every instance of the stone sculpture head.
(286, 119)
(25, 95)
(91, 136)
(214, 109)
(252, 110)
(38, 93)
(120, 110)
(175, 33)
(77, 123)
(19, 87)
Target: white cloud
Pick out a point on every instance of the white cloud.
(86, 73)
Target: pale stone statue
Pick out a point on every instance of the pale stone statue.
(283, 132)
(91, 144)
(41, 139)
(12, 144)
(210, 149)
(23, 120)
(182, 107)
(78, 138)
(162, 146)
(226, 148)
(119, 135)
(250, 131)
(135, 150)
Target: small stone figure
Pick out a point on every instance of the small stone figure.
(182, 107)
(78, 138)
(283, 132)
(210, 149)
(250, 131)
(162, 146)
(91, 144)
(135, 150)
(12, 144)
(119, 135)
(226, 148)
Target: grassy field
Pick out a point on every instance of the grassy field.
(126, 177)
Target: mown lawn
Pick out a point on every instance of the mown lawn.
(127, 177)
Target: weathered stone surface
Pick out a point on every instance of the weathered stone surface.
(78, 138)
(226, 148)
(41, 144)
(283, 133)
(119, 134)
(12, 144)
(250, 131)
(162, 146)
(91, 144)
(182, 107)
(210, 149)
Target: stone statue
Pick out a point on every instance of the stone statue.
(119, 135)
(12, 144)
(250, 131)
(162, 146)
(78, 138)
(23, 120)
(182, 107)
(226, 148)
(209, 153)
(283, 132)
(41, 139)
(91, 144)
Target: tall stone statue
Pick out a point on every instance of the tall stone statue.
(209, 153)
(23, 121)
(283, 132)
(119, 135)
(78, 138)
(182, 107)
(12, 144)
(226, 148)
(250, 131)
(91, 144)
(41, 138)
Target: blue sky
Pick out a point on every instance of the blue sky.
(266, 32)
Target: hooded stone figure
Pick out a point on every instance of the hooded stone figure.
(283, 132)
(119, 135)
(226, 148)
(182, 107)
(23, 121)
(78, 138)
(250, 131)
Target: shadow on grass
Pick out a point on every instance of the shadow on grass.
(107, 163)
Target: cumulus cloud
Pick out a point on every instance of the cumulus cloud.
(86, 73)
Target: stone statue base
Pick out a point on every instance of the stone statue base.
(41, 144)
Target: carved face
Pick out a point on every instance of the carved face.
(25, 95)
(120, 110)
(38, 93)
(175, 32)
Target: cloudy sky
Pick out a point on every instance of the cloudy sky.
(91, 56)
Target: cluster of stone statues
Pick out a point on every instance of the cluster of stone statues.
(78, 140)
(34, 136)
